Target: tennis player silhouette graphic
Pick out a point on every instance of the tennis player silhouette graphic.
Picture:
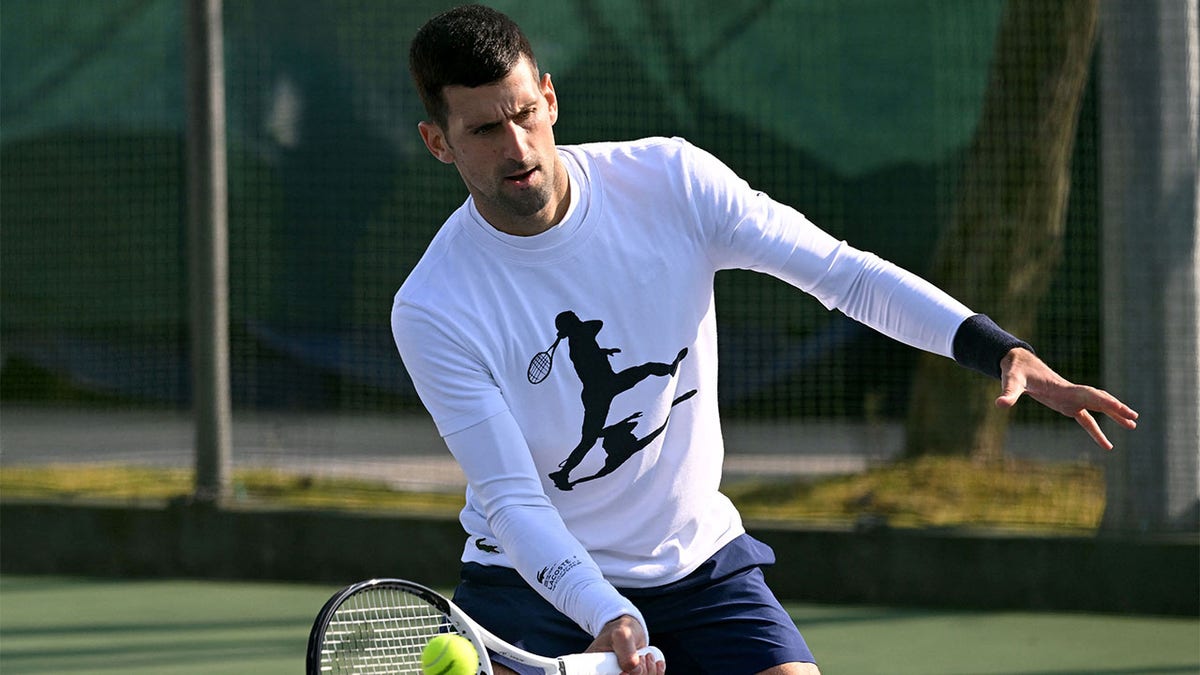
(601, 384)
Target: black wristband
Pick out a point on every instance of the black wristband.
(980, 344)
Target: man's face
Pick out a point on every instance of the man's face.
(500, 137)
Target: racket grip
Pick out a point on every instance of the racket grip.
(655, 652)
(602, 663)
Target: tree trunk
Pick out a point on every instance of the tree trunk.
(1005, 237)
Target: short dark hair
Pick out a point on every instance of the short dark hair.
(467, 46)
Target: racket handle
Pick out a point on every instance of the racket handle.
(602, 663)
(655, 652)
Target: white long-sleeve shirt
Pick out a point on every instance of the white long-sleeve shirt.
(650, 224)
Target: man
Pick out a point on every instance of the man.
(555, 244)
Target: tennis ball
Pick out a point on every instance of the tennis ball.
(449, 655)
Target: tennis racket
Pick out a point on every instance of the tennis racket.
(382, 625)
(539, 366)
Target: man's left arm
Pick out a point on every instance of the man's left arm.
(758, 233)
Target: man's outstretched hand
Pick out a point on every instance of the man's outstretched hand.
(1022, 372)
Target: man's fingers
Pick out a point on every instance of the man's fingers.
(1007, 400)
(1089, 424)
(660, 668)
(1127, 421)
(1009, 394)
(652, 664)
(642, 668)
(1104, 402)
(624, 643)
(1117, 411)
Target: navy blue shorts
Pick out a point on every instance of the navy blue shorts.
(721, 618)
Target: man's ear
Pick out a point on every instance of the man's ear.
(435, 140)
(551, 98)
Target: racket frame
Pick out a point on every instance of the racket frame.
(549, 354)
(451, 615)
(483, 640)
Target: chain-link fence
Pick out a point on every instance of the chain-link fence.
(860, 113)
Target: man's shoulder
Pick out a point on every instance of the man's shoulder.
(641, 149)
(438, 259)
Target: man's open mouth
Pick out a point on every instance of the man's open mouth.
(522, 177)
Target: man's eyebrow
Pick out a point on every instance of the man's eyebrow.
(491, 124)
(486, 126)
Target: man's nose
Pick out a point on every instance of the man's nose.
(516, 142)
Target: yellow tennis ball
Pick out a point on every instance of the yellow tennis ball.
(449, 655)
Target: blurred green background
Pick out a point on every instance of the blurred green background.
(858, 113)
(861, 113)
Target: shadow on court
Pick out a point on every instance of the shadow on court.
(70, 625)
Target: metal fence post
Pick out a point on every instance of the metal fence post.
(207, 206)
(1151, 240)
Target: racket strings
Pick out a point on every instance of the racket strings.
(381, 631)
(539, 367)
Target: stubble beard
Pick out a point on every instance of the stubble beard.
(520, 209)
(527, 201)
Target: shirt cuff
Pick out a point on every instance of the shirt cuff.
(979, 344)
(609, 606)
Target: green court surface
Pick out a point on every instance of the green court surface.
(67, 625)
